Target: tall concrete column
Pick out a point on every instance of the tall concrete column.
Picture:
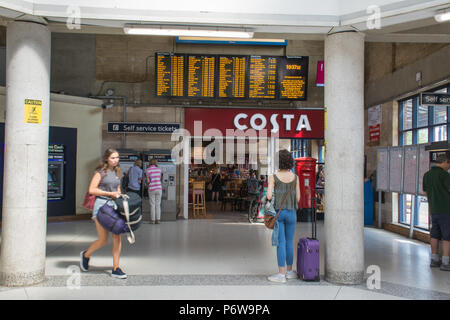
(344, 160)
(24, 219)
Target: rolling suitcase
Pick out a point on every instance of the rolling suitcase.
(308, 257)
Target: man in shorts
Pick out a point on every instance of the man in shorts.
(436, 185)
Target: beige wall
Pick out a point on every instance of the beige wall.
(86, 116)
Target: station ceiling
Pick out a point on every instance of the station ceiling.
(399, 21)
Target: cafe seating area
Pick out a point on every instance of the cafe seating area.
(232, 197)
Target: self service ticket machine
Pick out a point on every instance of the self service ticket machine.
(168, 183)
(55, 178)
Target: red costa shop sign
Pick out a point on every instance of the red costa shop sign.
(289, 123)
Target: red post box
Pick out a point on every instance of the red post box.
(306, 172)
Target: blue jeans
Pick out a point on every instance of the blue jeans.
(287, 220)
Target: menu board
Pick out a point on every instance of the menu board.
(200, 76)
(262, 77)
(232, 75)
(292, 77)
(170, 75)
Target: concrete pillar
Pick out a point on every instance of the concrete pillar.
(344, 161)
(24, 219)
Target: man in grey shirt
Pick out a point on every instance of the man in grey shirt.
(135, 177)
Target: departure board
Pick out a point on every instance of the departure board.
(170, 75)
(292, 77)
(262, 77)
(200, 76)
(216, 76)
(232, 75)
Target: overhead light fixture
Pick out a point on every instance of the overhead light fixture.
(442, 15)
(186, 31)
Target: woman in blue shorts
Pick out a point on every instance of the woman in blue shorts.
(105, 185)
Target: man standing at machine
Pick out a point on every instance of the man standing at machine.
(436, 185)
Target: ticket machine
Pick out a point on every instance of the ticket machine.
(55, 179)
(437, 148)
(168, 183)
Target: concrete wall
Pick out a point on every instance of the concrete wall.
(390, 71)
(85, 115)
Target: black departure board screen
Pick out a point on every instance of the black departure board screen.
(262, 77)
(232, 75)
(200, 76)
(170, 75)
(292, 77)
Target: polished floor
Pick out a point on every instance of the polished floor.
(220, 259)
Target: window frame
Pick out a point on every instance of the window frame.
(415, 137)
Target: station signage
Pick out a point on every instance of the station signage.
(435, 99)
(286, 123)
(140, 127)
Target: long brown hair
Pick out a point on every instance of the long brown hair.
(103, 164)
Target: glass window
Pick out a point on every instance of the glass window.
(440, 133)
(405, 215)
(407, 114)
(423, 213)
(422, 135)
(440, 114)
(422, 116)
(407, 138)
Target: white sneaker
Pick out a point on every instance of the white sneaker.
(278, 277)
(291, 275)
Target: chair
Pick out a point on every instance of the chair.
(198, 195)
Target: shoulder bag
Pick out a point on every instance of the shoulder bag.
(269, 219)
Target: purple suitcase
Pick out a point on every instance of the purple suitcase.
(308, 257)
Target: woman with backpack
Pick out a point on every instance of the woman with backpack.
(105, 185)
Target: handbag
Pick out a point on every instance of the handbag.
(89, 200)
(269, 219)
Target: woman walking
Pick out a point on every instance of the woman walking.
(154, 174)
(281, 182)
(105, 185)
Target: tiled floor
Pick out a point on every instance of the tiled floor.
(221, 258)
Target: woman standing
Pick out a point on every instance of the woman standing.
(154, 174)
(216, 183)
(105, 185)
(281, 183)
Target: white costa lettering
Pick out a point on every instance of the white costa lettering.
(288, 118)
(302, 123)
(260, 117)
(236, 121)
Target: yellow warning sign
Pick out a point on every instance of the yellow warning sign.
(33, 111)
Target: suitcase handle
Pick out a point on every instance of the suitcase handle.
(314, 219)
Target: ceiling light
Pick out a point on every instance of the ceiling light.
(187, 31)
(443, 15)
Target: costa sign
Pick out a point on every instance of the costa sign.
(287, 123)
